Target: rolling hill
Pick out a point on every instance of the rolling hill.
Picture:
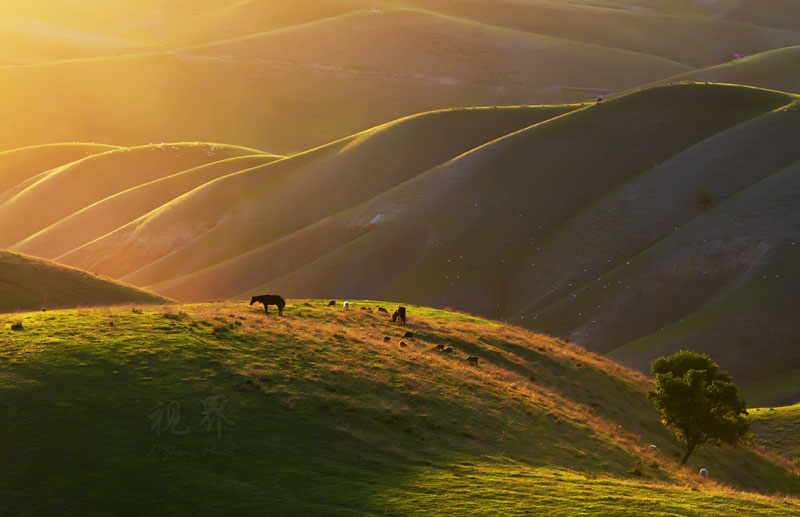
(696, 35)
(778, 429)
(240, 212)
(292, 89)
(116, 210)
(288, 76)
(96, 177)
(774, 69)
(19, 166)
(532, 214)
(30, 284)
(206, 407)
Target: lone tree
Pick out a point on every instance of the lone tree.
(699, 402)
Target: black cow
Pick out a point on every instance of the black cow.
(270, 299)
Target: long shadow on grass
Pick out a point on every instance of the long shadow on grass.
(113, 430)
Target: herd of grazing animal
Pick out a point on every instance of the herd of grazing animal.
(399, 317)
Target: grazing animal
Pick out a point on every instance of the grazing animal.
(381, 309)
(409, 335)
(704, 473)
(399, 316)
(439, 347)
(387, 339)
(331, 303)
(448, 350)
(653, 448)
(403, 344)
(270, 299)
(346, 305)
(473, 360)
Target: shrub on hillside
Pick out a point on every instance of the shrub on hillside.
(704, 197)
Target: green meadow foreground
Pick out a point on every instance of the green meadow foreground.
(198, 408)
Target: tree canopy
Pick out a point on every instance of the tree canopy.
(699, 402)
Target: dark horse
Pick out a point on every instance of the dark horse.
(400, 315)
(270, 299)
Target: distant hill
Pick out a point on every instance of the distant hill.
(776, 69)
(289, 90)
(31, 284)
(534, 214)
(220, 405)
(695, 33)
(18, 167)
(96, 177)
(287, 76)
(238, 213)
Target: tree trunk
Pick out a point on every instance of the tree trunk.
(689, 450)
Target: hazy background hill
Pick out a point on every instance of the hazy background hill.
(286, 76)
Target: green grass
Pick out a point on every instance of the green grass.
(778, 429)
(32, 284)
(322, 417)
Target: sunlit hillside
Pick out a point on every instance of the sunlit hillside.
(531, 214)
(31, 284)
(778, 429)
(289, 90)
(218, 407)
(560, 190)
(285, 76)
(96, 177)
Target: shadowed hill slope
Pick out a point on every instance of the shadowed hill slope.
(775, 69)
(28, 283)
(314, 413)
(690, 36)
(496, 232)
(243, 211)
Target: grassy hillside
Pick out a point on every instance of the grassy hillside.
(775, 69)
(206, 406)
(468, 208)
(31, 284)
(778, 429)
(238, 213)
(96, 177)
